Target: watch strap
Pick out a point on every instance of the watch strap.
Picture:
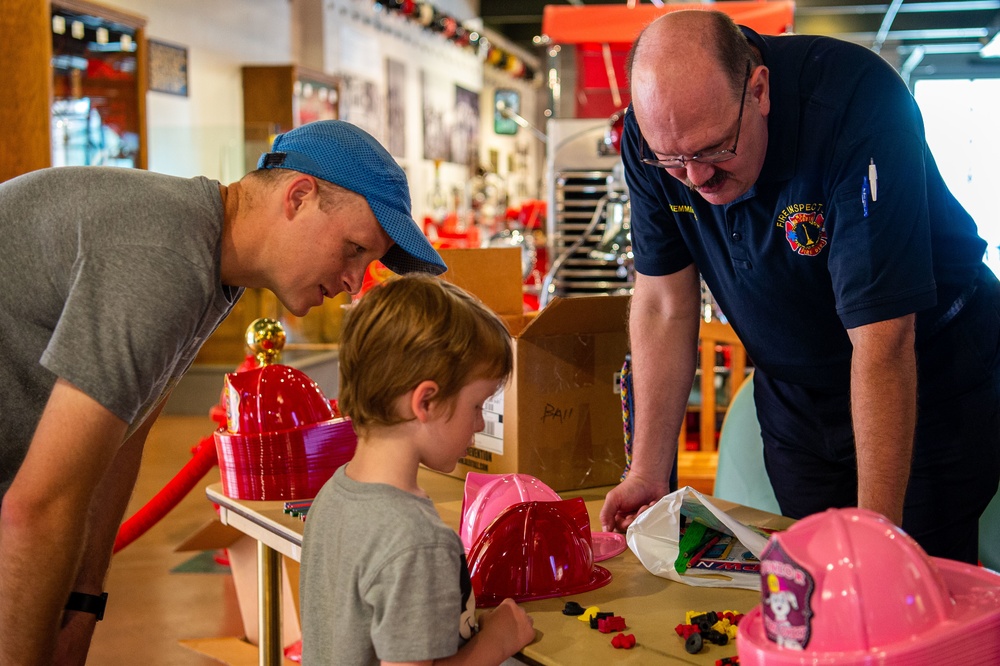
(87, 603)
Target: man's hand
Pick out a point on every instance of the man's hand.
(629, 499)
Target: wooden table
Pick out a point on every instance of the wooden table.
(651, 606)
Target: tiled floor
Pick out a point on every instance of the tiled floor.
(150, 609)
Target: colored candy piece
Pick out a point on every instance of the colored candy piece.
(608, 624)
(685, 630)
(690, 615)
(694, 643)
(623, 641)
(572, 608)
(588, 614)
(716, 637)
(600, 615)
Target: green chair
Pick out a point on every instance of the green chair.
(989, 535)
(740, 475)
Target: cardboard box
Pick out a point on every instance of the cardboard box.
(560, 417)
(242, 551)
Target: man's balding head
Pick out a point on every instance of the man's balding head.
(687, 71)
(684, 39)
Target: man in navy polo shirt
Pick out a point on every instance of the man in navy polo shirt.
(792, 173)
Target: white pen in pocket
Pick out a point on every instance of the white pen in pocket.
(873, 179)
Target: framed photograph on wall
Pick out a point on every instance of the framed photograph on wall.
(509, 99)
(168, 68)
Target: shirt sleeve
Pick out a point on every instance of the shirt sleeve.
(129, 315)
(880, 263)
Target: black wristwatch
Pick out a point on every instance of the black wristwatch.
(88, 603)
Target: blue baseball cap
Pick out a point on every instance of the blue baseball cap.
(345, 155)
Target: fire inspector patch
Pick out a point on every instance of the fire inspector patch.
(804, 228)
(786, 592)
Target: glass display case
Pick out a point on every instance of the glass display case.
(97, 87)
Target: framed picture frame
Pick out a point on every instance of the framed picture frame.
(509, 99)
(168, 68)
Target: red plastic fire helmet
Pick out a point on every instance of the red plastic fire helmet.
(488, 495)
(535, 550)
(282, 439)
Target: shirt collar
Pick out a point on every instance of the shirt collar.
(783, 118)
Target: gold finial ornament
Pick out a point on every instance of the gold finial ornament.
(265, 338)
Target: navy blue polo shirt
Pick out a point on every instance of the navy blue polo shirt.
(798, 260)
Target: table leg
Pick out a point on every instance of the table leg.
(269, 605)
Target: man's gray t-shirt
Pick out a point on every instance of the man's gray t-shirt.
(382, 577)
(111, 281)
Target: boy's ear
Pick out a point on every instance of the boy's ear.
(421, 399)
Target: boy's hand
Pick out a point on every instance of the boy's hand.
(509, 625)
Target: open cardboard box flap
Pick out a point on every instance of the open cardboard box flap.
(559, 418)
(581, 314)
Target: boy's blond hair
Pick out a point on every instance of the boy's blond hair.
(411, 329)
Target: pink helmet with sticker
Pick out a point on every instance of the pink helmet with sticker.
(846, 586)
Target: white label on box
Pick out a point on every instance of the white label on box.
(491, 438)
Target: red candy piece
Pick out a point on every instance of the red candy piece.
(685, 630)
(623, 641)
(608, 624)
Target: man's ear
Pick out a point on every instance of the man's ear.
(421, 400)
(297, 192)
(761, 89)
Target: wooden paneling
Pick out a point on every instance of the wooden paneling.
(25, 51)
(712, 334)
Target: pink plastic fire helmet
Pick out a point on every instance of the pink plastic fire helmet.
(488, 495)
(848, 587)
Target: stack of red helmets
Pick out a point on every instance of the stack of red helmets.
(282, 439)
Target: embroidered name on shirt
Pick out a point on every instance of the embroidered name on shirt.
(804, 228)
(683, 209)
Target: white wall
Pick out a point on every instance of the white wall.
(202, 134)
(358, 38)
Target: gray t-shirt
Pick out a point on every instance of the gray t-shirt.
(381, 578)
(109, 278)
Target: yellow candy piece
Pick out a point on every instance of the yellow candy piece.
(692, 614)
(588, 614)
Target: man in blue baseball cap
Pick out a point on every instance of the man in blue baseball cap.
(113, 279)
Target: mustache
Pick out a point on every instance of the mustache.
(717, 179)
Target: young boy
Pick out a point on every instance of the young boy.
(383, 579)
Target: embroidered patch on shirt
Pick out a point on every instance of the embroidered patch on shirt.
(804, 228)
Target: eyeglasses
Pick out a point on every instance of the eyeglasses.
(678, 161)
